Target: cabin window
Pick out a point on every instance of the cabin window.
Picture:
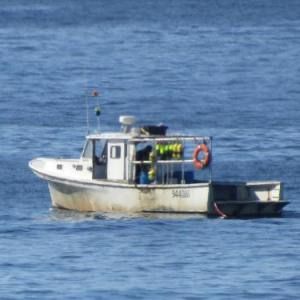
(115, 152)
(88, 150)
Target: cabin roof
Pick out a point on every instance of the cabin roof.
(141, 137)
(110, 135)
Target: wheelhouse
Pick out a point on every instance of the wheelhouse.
(145, 159)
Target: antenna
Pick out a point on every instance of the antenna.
(86, 104)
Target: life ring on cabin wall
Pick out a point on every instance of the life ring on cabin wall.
(204, 162)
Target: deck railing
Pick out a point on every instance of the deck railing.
(165, 169)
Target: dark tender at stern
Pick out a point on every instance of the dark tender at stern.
(247, 199)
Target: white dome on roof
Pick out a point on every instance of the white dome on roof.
(127, 120)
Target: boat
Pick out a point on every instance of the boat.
(142, 169)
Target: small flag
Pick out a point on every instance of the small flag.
(95, 93)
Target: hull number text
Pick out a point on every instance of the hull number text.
(180, 193)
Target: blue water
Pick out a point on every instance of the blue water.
(225, 68)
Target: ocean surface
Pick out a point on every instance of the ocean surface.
(226, 68)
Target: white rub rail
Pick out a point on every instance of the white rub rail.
(170, 139)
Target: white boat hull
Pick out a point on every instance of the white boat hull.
(131, 198)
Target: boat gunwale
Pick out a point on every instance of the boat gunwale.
(106, 183)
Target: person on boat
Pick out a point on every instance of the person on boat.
(142, 155)
(101, 158)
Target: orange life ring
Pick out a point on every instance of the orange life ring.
(204, 162)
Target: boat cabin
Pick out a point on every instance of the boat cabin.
(147, 155)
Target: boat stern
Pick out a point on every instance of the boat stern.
(247, 199)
